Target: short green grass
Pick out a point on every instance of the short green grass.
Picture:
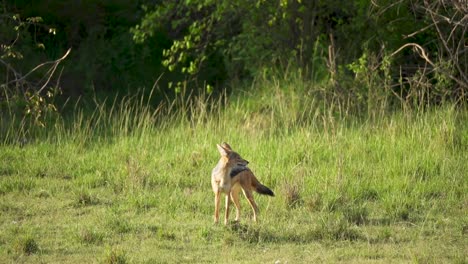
(131, 184)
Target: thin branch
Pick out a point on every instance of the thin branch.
(452, 56)
(56, 62)
(387, 7)
(419, 31)
(50, 77)
(422, 53)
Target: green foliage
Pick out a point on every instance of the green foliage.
(105, 58)
(252, 34)
(18, 91)
(184, 47)
(248, 38)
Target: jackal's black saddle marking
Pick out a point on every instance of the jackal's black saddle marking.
(237, 170)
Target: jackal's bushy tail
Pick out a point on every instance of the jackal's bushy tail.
(260, 188)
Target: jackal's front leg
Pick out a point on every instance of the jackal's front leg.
(217, 200)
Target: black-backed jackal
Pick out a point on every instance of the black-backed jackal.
(230, 175)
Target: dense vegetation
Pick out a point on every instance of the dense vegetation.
(364, 51)
(353, 112)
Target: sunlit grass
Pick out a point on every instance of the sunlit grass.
(130, 182)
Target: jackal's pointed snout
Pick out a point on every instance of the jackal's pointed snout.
(242, 163)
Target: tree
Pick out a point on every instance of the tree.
(34, 90)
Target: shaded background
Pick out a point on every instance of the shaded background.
(121, 47)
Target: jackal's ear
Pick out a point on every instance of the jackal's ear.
(222, 150)
(226, 146)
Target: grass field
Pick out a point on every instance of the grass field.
(131, 184)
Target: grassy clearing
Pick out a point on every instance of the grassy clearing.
(131, 184)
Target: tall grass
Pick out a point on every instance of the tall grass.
(130, 174)
(298, 139)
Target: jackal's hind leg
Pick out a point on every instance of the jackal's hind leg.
(248, 194)
(235, 199)
(228, 202)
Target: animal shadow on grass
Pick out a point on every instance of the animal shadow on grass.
(247, 233)
(333, 231)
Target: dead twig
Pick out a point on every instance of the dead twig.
(422, 53)
(55, 64)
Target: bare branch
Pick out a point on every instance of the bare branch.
(422, 53)
(55, 62)
(420, 50)
(419, 31)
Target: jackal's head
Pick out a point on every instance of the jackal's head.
(231, 157)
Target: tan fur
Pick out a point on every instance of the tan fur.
(223, 183)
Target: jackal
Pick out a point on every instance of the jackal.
(230, 175)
